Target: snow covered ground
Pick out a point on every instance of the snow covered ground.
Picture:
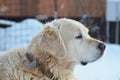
(7, 22)
(18, 34)
(106, 68)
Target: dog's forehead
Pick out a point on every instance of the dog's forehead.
(70, 24)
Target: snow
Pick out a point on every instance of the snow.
(2, 41)
(7, 22)
(106, 68)
(19, 34)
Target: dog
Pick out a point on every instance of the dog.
(54, 52)
(69, 42)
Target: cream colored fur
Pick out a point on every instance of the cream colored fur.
(14, 66)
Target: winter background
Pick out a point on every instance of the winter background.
(20, 34)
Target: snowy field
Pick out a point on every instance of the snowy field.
(106, 68)
(18, 34)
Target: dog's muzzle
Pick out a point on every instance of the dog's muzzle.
(101, 47)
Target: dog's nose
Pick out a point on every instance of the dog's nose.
(101, 46)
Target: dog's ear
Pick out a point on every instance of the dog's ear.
(52, 41)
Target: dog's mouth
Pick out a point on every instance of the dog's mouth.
(83, 63)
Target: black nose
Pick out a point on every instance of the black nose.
(101, 46)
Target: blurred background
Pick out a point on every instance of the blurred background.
(20, 20)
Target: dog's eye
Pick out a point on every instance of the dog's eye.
(78, 37)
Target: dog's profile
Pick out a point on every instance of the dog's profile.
(54, 52)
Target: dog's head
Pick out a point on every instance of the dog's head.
(80, 46)
(69, 40)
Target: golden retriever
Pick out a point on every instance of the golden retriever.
(54, 52)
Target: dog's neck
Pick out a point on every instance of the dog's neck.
(35, 64)
(69, 65)
(65, 64)
(44, 64)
